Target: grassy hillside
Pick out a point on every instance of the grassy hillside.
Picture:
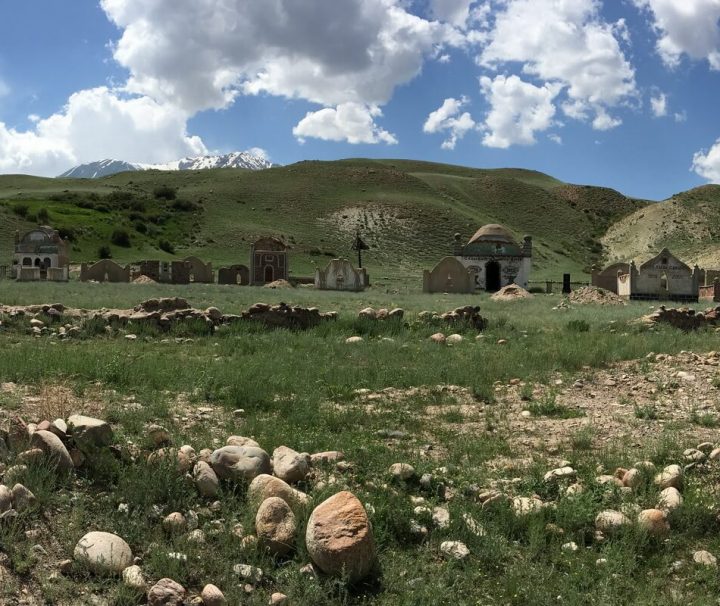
(688, 224)
(407, 211)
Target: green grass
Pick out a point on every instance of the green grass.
(407, 211)
(298, 389)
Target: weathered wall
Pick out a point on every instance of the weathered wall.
(104, 270)
(449, 275)
(235, 274)
(513, 270)
(340, 275)
(608, 277)
(200, 272)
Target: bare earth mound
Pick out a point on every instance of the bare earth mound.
(143, 280)
(589, 295)
(279, 284)
(511, 292)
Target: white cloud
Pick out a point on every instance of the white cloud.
(685, 27)
(565, 42)
(681, 116)
(95, 124)
(259, 152)
(518, 110)
(456, 12)
(447, 118)
(4, 88)
(351, 122)
(555, 139)
(659, 105)
(707, 163)
(206, 53)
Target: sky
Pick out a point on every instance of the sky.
(618, 93)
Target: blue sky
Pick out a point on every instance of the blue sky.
(561, 86)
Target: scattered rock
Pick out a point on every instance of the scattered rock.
(339, 537)
(705, 558)
(402, 471)
(103, 553)
(265, 486)
(454, 339)
(241, 441)
(654, 522)
(670, 499)
(166, 592)
(175, 523)
(212, 596)
(206, 480)
(441, 517)
(351, 340)
(5, 499)
(158, 435)
(454, 549)
(53, 448)
(240, 463)
(671, 476)
(561, 473)
(610, 521)
(438, 337)
(523, 505)
(275, 526)
(330, 456)
(22, 498)
(249, 573)
(290, 466)
(134, 578)
(89, 433)
(278, 599)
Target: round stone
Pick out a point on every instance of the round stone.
(103, 552)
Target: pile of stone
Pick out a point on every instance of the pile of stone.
(468, 315)
(683, 318)
(283, 315)
(511, 292)
(592, 295)
(162, 313)
(381, 314)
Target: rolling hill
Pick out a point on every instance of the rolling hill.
(688, 224)
(408, 211)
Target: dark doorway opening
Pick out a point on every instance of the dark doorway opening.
(269, 274)
(492, 276)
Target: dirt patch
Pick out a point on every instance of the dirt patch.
(511, 292)
(143, 280)
(277, 284)
(591, 295)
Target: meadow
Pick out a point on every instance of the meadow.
(451, 411)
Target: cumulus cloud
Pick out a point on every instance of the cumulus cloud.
(447, 118)
(456, 12)
(685, 27)
(659, 105)
(330, 53)
(95, 124)
(351, 122)
(707, 163)
(518, 110)
(565, 43)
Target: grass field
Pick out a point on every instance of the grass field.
(458, 408)
(407, 211)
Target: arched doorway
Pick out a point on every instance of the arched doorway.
(492, 276)
(269, 274)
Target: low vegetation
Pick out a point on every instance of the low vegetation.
(605, 394)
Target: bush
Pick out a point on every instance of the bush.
(184, 205)
(120, 237)
(67, 233)
(166, 246)
(21, 210)
(166, 192)
(140, 227)
(43, 215)
(104, 252)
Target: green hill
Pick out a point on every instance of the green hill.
(688, 224)
(407, 211)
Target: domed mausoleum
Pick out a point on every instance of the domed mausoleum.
(495, 258)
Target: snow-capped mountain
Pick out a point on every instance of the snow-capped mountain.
(94, 170)
(105, 168)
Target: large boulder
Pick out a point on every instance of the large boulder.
(206, 479)
(240, 462)
(265, 486)
(289, 465)
(103, 553)
(53, 448)
(5, 499)
(166, 592)
(339, 537)
(89, 433)
(275, 526)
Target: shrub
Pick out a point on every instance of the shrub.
(166, 246)
(166, 192)
(120, 237)
(184, 205)
(67, 233)
(140, 227)
(43, 215)
(104, 252)
(21, 210)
